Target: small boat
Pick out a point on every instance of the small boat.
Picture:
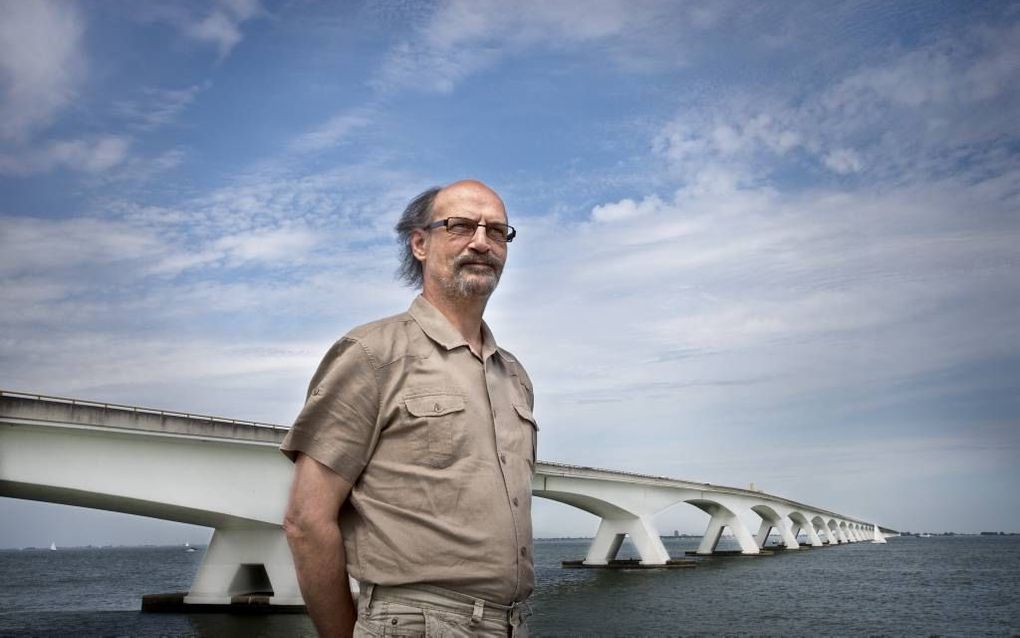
(53, 547)
(188, 547)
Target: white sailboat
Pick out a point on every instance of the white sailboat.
(53, 547)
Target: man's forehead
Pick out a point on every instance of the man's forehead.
(468, 196)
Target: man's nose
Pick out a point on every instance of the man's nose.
(480, 241)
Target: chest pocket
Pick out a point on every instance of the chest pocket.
(530, 430)
(438, 415)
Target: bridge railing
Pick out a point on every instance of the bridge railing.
(566, 469)
(140, 410)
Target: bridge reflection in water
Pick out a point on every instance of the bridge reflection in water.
(228, 475)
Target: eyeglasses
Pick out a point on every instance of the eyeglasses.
(496, 231)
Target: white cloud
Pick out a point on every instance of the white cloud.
(38, 247)
(900, 115)
(109, 365)
(41, 64)
(333, 132)
(90, 155)
(843, 161)
(137, 169)
(463, 37)
(626, 209)
(156, 107)
(221, 27)
(290, 244)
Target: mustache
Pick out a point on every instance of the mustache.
(488, 260)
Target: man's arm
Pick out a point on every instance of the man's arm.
(312, 526)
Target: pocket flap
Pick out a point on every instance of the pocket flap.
(434, 405)
(524, 412)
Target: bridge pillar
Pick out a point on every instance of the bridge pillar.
(789, 538)
(722, 518)
(767, 525)
(240, 561)
(812, 535)
(877, 536)
(821, 530)
(610, 537)
(830, 533)
(762, 536)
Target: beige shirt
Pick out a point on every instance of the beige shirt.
(439, 445)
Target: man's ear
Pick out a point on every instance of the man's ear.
(419, 244)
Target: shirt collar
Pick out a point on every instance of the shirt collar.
(438, 328)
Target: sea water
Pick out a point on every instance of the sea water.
(947, 586)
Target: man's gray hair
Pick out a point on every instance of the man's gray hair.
(416, 216)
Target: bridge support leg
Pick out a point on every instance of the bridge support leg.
(606, 544)
(878, 536)
(830, 533)
(812, 535)
(246, 560)
(789, 538)
(710, 540)
(823, 530)
(764, 530)
(610, 537)
(724, 518)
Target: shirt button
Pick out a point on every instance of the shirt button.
(516, 502)
(436, 407)
(502, 459)
(393, 621)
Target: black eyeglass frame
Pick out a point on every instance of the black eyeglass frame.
(511, 232)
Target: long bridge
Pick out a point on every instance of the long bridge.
(228, 475)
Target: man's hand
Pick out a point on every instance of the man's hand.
(312, 526)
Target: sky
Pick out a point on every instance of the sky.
(770, 243)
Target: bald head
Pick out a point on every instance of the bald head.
(464, 192)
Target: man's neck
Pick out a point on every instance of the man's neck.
(465, 314)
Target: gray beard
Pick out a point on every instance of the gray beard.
(468, 287)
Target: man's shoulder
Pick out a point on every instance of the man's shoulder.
(379, 327)
(508, 356)
(388, 339)
(514, 364)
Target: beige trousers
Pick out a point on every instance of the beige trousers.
(417, 611)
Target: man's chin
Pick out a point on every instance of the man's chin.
(477, 284)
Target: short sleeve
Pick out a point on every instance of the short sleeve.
(338, 424)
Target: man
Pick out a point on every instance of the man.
(415, 448)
